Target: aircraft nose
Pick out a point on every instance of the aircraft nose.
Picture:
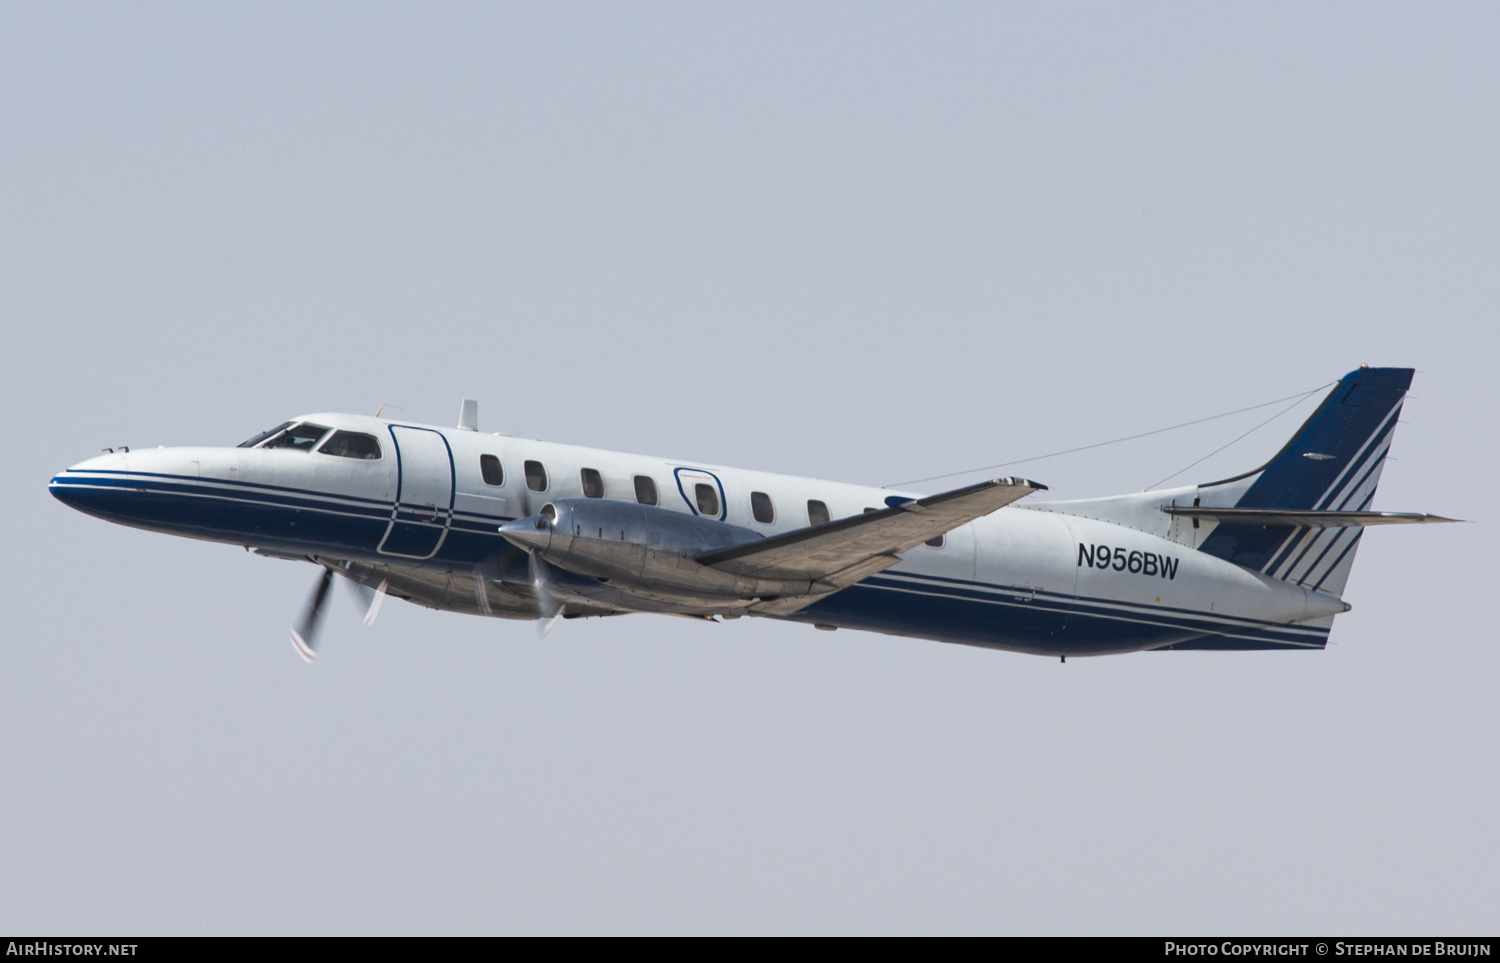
(79, 487)
(528, 533)
(62, 491)
(143, 489)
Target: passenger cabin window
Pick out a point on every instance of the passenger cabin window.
(351, 444)
(761, 508)
(593, 483)
(303, 437)
(708, 499)
(252, 442)
(645, 489)
(489, 467)
(817, 512)
(536, 476)
(935, 542)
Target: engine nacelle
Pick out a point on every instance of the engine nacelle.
(644, 550)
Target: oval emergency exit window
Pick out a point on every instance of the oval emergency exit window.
(701, 492)
(708, 499)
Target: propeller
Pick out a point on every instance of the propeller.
(305, 632)
(374, 608)
(368, 598)
(485, 574)
(547, 607)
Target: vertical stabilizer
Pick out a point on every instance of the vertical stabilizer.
(1332, 463)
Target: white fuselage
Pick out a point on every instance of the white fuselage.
(1035, 577)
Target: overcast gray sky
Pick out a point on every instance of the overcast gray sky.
(858, 241)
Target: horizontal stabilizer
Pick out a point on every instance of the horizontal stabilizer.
(1305, 518)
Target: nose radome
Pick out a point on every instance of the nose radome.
(73, 486)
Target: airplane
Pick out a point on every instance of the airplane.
(487, 524)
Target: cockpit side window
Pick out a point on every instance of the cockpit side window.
(303, 437)
(252, 442)
(351, 444)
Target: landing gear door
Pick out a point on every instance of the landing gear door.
(424, 493)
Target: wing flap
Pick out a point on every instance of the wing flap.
(842, 579)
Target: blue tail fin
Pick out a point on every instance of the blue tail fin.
(1332, 463)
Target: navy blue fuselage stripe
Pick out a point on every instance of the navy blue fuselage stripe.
(269, 494)
(1136, 616)
(1104, 608)
(262, 498)
(1018, 627)
(315, 503)
(1145, 615)
(198, 480)
(1074, 600)
(237, 492)
(1208, 644)
(188, 484)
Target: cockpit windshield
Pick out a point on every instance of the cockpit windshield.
(303, 437)
(252, 442)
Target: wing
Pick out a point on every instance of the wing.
(838, 554)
